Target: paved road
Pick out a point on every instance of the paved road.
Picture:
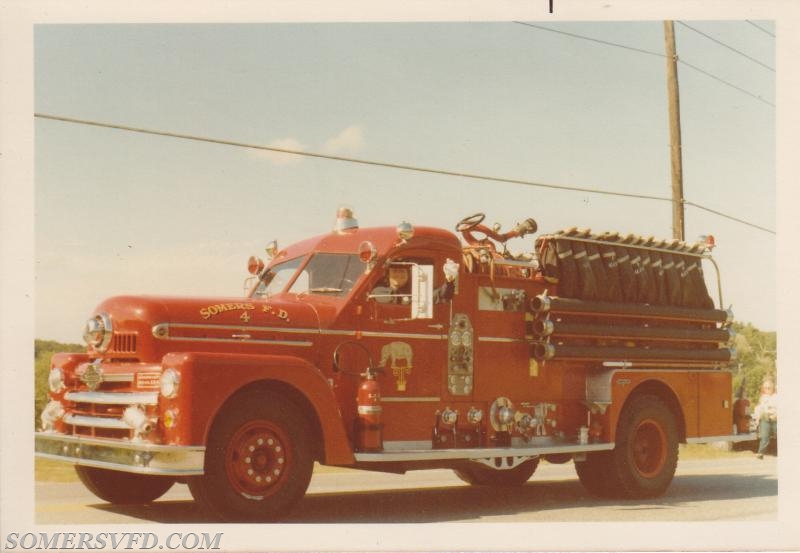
(736, 488)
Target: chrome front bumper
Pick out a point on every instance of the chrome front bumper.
(138, 457)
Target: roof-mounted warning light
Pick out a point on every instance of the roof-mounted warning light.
(345, 220)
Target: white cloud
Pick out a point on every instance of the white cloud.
(280, 158)
(348, 141)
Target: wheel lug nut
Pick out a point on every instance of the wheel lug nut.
(260, 441)
(248, 460)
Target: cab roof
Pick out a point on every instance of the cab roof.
(385, 239)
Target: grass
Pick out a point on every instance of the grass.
(708, 451)
(46, 470)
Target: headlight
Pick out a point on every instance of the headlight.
(97, 332)
(170, 382)
(51, 414)
(56, 380)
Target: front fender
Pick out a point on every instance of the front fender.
(209, 380)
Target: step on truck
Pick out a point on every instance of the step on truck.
(403, 348)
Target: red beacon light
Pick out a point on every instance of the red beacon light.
(707, 241)
(255, 265)
(367, 253)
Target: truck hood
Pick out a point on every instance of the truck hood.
(149, 326)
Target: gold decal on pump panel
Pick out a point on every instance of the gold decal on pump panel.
(400, 357)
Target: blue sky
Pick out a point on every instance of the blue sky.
(118, 212)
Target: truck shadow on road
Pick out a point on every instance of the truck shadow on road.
(464, 503)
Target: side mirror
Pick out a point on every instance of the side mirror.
(421, 292)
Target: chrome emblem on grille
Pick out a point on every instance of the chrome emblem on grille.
(92, 377)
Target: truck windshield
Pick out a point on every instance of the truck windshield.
(277, 277)
(331, 274)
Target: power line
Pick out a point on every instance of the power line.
(763, 30)
(736, 219)
(731, 48)
(380, 163)
(345, 159)
(707, 74)
(641, 51)
(581, 37)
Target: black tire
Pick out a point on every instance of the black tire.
(123, 488)
(258, 460)
(593, 473)
(480, 475)
(644, 460)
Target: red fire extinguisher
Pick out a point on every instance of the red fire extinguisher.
(369, 428)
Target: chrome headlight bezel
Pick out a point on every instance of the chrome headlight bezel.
(170, 383)
(97, 332)
(55, 380)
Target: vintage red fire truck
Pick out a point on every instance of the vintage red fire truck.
(401, 348)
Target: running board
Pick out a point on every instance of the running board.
(394, 455)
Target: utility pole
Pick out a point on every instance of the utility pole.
(678, 228)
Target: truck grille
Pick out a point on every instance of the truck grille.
(97, 410)
(123, 342)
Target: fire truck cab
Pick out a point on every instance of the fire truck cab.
(402, 348)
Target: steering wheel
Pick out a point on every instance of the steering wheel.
(469, 223)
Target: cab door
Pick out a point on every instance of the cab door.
(409, 343)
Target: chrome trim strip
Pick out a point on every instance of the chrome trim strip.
(648, 367)
(161, 331)
(338, 332)
(120, 377)
(109, 377)
(368, 334)
(501, 340)
(111, 398)
(240, 328)
(408, 336)
(476, 453)
(140, 458)
(385, 399)
(240, 341)
(96, 422)
(729, 438)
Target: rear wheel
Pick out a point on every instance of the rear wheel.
(644, 460)
(258, 460)
(646, 455)
(481, 475)
(123, 488)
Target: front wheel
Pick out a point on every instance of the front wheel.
(123, 488)
(258, 460)
(481, 475)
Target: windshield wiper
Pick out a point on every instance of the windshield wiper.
(325, 290)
